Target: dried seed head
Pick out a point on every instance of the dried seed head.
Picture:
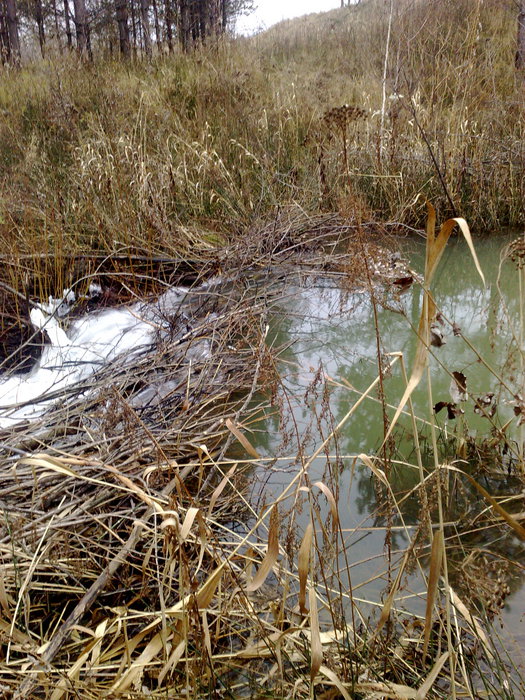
(516, 252)
(340, 117)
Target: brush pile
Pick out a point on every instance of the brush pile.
(132, 559)
(101, 533)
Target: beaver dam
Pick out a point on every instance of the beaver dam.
(215, 482)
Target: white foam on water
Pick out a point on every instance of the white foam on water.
(88, 344)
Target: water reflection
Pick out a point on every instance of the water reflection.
(330, 332)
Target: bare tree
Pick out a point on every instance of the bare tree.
(121, 10)
(79, 7)
(214, 17)
(12, 31)
(39, 18)
(68, 25)
(168, 19)
(184, 24)
(57, 30)
(5, 48)
(520, 49)
(144, 21)
(158, 37)
(133, 27)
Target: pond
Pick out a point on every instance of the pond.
(126, 402)
(331, 359)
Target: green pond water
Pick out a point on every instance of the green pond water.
(330, 332)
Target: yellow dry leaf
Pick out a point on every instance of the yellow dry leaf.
(271, 553)
(395, 691)
(330, 498)
(509, 519)
(304, 566)
(220, 488)
(250, 449)
(335, 681)
(427, 684)
(136, 669)
(316, 648)
(375, 470)
(436, 559)
(188, 522)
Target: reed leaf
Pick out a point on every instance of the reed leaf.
(316, 648)
(250, 449)
(272, 553)
(331, 500)
(436, 559)
(303, 565)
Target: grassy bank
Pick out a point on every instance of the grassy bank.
(190, 150)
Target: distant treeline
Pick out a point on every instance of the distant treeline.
(128, 27)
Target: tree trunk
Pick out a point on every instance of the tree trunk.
(520, 49)
(144, 7)
(168, 20)
(88, 42)
(79, 7)
(39, 17)
(12, 30)
(121, 11)
(158, 37)
(4, 35)
(68, 25)
(57, 30)
(214, 18)
(134, 27)
(200, 22)
(184, 28)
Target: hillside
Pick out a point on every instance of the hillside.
(220, 138)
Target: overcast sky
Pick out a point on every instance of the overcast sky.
(269, 12)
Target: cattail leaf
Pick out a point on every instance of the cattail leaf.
(331, 500)
(335, 681)
(271, 553)
(303, 565)
(220, 488)
(316, 648)
(436, 559)
(250, 449)
(426, 686)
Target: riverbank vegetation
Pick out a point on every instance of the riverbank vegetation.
(133, 562)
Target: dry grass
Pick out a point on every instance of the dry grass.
(127, 537)
(133, 562)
